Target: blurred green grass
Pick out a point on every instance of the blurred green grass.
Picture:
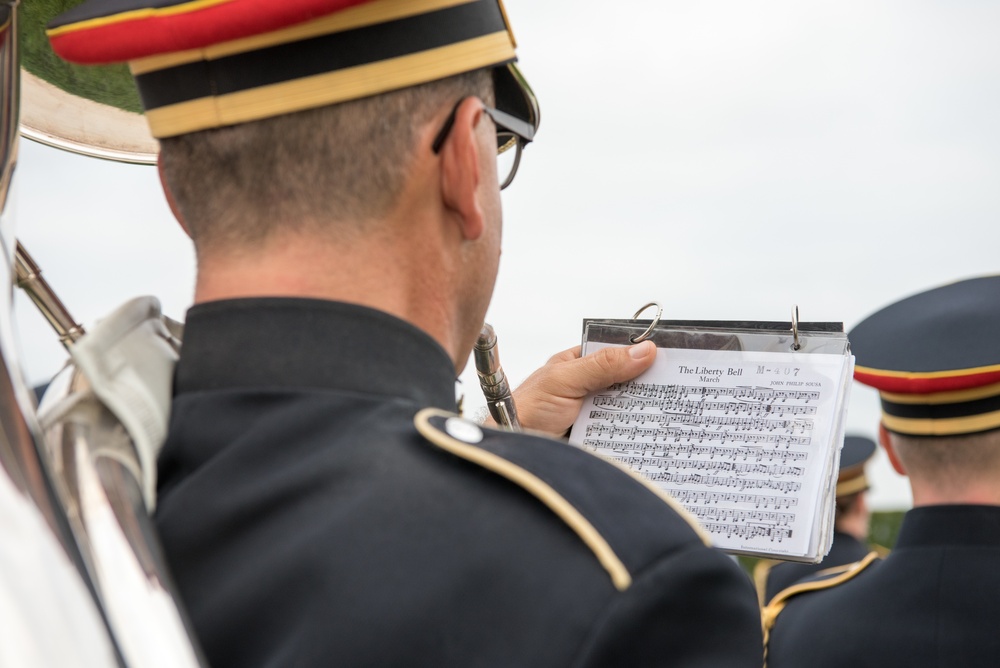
(107, 84)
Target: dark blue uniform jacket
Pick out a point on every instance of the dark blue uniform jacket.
(315, 513)
(933, 602)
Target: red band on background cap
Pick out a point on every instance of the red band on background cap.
(925, 385)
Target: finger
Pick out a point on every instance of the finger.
(605, 367)
(566, 355)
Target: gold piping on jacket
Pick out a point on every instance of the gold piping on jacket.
(541, 490)
(771, 611)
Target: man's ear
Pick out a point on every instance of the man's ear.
(460, 173)
(886, 442)
(171, 202)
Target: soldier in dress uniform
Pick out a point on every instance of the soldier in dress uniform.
(335, 163)
(935, 359)
(850, 530)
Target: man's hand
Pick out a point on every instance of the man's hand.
(550, 399)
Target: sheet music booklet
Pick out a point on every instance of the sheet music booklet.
(740, 428)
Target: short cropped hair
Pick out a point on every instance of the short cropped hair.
(949, 462)
(343, 162)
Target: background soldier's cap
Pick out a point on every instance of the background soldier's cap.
(935, 359)
(855, 454)
(203, 64)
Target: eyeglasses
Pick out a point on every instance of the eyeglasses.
(513, 135)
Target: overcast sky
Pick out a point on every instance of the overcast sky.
(728, 159)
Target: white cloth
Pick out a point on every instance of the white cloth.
(128, 359)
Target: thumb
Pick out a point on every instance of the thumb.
(611, 365)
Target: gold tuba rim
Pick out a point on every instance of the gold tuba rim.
(56, 118)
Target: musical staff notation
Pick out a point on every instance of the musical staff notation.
(742, 440)
(687, 437)
(714, 514)
(650, 456)
(645, 460)
(784, 486)
(792, 426)
(676, 392)
(748, 531)
(687, 407)
(678, 434)
(691, 497)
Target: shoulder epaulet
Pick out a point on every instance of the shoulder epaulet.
(882, 551)
(625, 521)
(831, 577)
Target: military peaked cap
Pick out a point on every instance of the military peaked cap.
(202, 64)
(935, 359)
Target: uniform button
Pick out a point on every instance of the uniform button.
(463, 430)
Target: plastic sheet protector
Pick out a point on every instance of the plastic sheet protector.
(742, 429)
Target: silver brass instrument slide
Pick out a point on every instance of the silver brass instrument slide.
(29, 279)
(496, 389)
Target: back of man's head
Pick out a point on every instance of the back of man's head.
(329, 171)
(963, 468)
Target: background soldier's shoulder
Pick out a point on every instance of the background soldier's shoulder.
(823, 580)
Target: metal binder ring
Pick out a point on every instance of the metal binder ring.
(649, 330)
(795, 328)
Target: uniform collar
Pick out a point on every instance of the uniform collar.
(951, 526)
(311, 343)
